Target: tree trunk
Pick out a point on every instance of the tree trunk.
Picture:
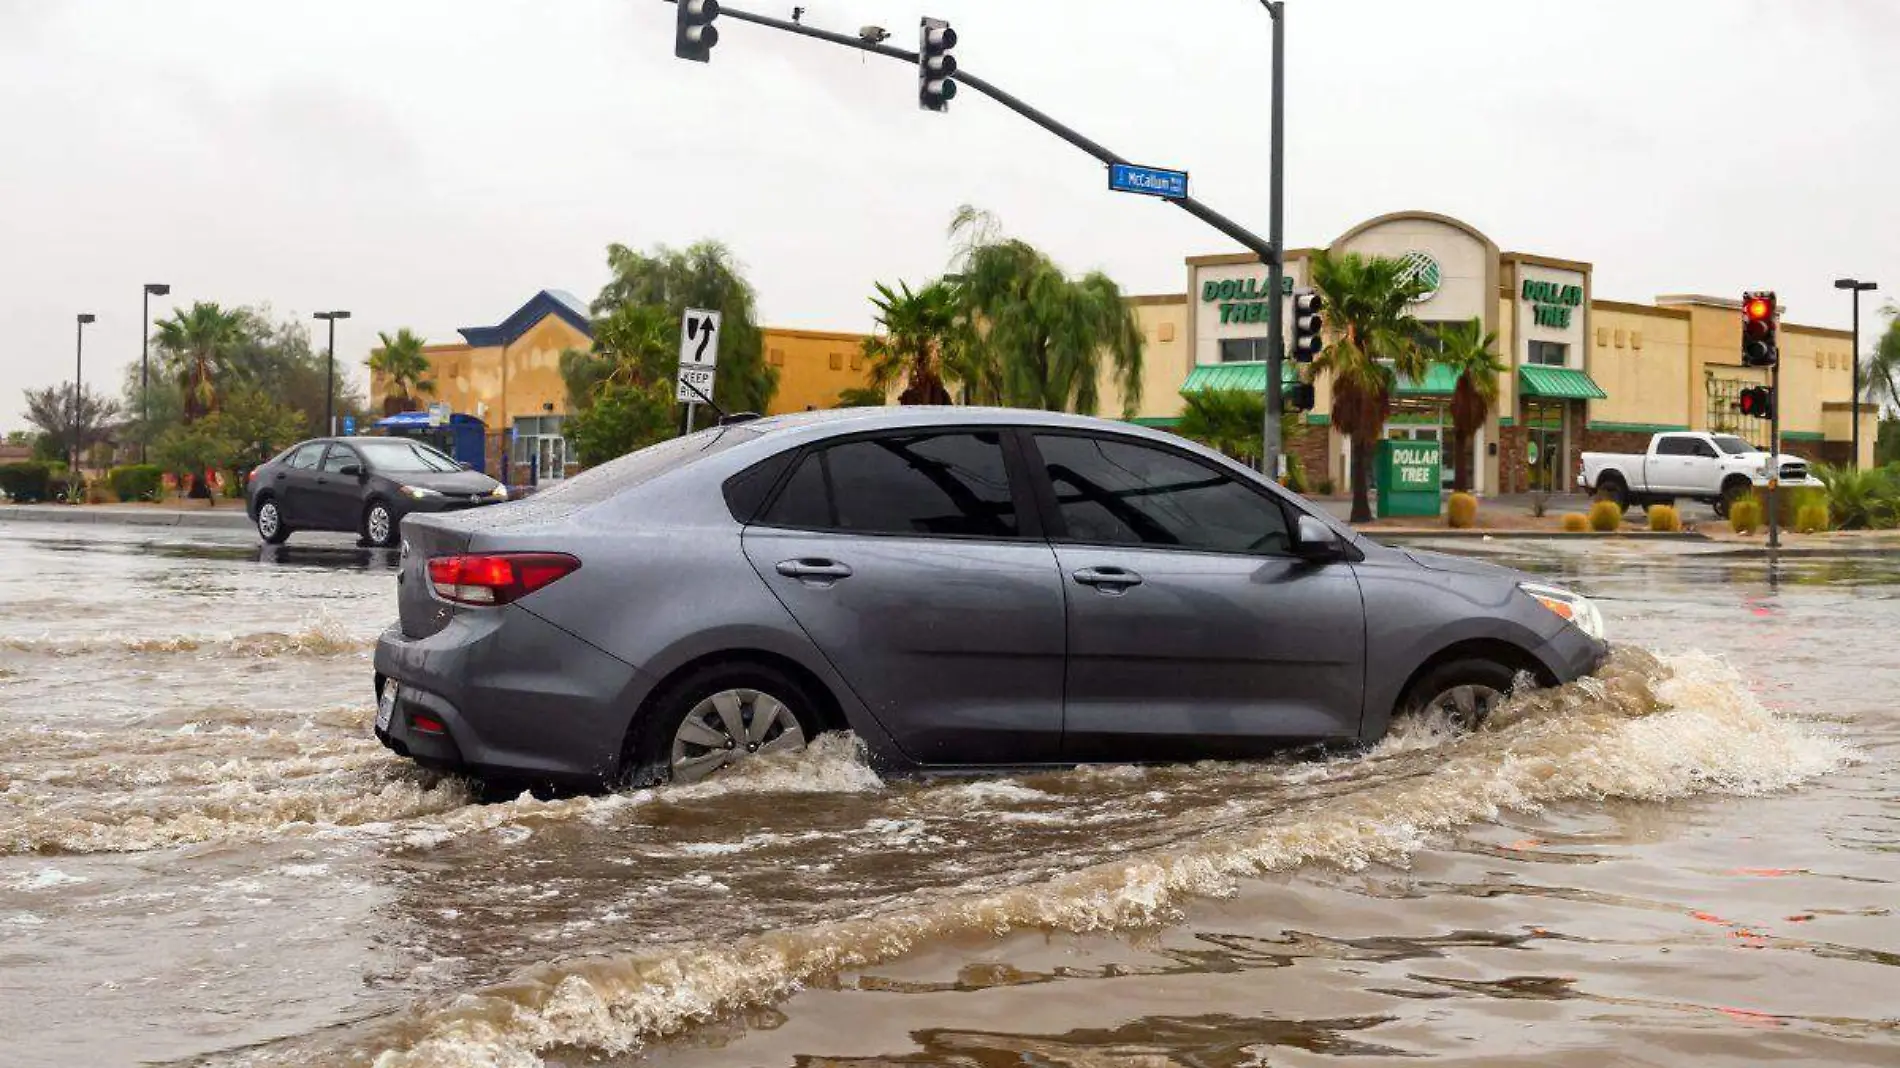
(1460, 459)
(1361, 479)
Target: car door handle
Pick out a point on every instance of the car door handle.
(814, 568)
(1107, 579)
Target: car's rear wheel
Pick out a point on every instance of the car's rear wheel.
(1612, 488)
(717, 717)
(379, 525)
(1463, 692)
(270, 523)
(1733, 490)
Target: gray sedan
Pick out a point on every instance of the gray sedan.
(960, 587)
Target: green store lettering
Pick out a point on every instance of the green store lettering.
(1243, 300)
(1552, 304)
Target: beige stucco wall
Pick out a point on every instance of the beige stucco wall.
(1527, 329)
(1640, 356)
(1816, 367)
(1165, 359)
(471, 379)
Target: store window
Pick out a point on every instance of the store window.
(1551, 354)
(1243, 350)
(539, 447)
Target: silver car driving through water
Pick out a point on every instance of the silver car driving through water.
(962, 588)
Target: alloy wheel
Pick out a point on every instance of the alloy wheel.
(379, 525)
(1464, 706)
(729, 727)
(267, 519)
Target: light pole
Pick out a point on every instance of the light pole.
(1276, 267)
(329, 379)
(1857, 287)
(79, 370)
(152, 289)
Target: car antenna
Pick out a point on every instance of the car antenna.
(724, 418)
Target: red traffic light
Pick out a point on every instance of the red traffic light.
(1757, 402)
(1759, 309)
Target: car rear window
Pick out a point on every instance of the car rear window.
(951, 483)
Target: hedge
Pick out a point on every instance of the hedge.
(136, 482)
(29, 480)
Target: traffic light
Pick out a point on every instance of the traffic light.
(1307, 325)
(1299, 397)
(694, 34)
(1759, 347)
(936, 67)
(1757, 402)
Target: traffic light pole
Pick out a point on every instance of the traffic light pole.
(1271, 444)
(1774, 455)
(1267, 250)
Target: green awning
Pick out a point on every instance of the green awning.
(1438, 381)
(1250, 375)
(1558, 383)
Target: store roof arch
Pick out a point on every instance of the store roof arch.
(1490, 247)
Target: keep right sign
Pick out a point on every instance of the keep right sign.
(699, 355)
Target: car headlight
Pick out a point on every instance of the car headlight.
(499, 493)
(1574, 607)
(416, 493)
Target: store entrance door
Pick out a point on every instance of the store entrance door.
(1544, 445)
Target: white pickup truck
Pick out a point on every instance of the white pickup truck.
(1712, 468)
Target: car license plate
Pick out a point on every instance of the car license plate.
(386, 708)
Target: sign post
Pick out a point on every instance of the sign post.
(699, 359)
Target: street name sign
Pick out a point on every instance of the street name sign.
(1149, 181)
(699, 354)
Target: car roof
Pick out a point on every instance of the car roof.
(843, 420)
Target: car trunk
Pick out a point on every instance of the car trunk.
(423, 537)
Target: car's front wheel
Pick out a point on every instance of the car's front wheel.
(1463, 693)
(379, 525)
(270, 523)
(717, 717)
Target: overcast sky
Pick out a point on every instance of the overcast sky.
(433, 163)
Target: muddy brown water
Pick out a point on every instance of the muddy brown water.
(204, 858)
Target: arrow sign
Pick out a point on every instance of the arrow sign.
(699, 353)
(1148, 181)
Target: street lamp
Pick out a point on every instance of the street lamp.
(329, 381)
(152, 289)
(79, 368)
(1857, 287)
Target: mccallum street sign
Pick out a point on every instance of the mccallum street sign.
(1150, 181)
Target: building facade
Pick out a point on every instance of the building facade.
(1580, 373)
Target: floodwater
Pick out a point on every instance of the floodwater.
(205, 858)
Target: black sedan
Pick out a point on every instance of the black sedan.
(364, 485)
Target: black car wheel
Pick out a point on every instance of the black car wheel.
(379, 525)
(1465, 692)
(716, 717)
(270, 523)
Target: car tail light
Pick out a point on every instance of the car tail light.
(496, 578)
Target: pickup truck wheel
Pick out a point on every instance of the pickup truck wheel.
(1612, 488)
(1732, 490)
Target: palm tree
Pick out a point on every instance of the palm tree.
(909, 346)
(1471, 354)
(197, 345)
(1036, 336)
(1373, 340)
(402, 361)
(1231, 421)
(1880, 371)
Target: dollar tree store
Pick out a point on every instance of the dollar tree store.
(1580, 372)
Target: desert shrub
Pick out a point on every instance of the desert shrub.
(29, 480)
(1461, 511)
(1295, 479)
(1861, 499)
(1744, 515)
(1664, 519)
(1540, 503)
(1811, 519)
(1606, 516)
(136, 482)
(1575, 522)
(1326, 486)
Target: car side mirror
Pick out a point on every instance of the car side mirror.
(350, 470)
(1316, 542)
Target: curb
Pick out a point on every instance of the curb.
(233, 519)
(1533, 535)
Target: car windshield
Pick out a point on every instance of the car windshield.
(1732, 445)
(405, 457)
